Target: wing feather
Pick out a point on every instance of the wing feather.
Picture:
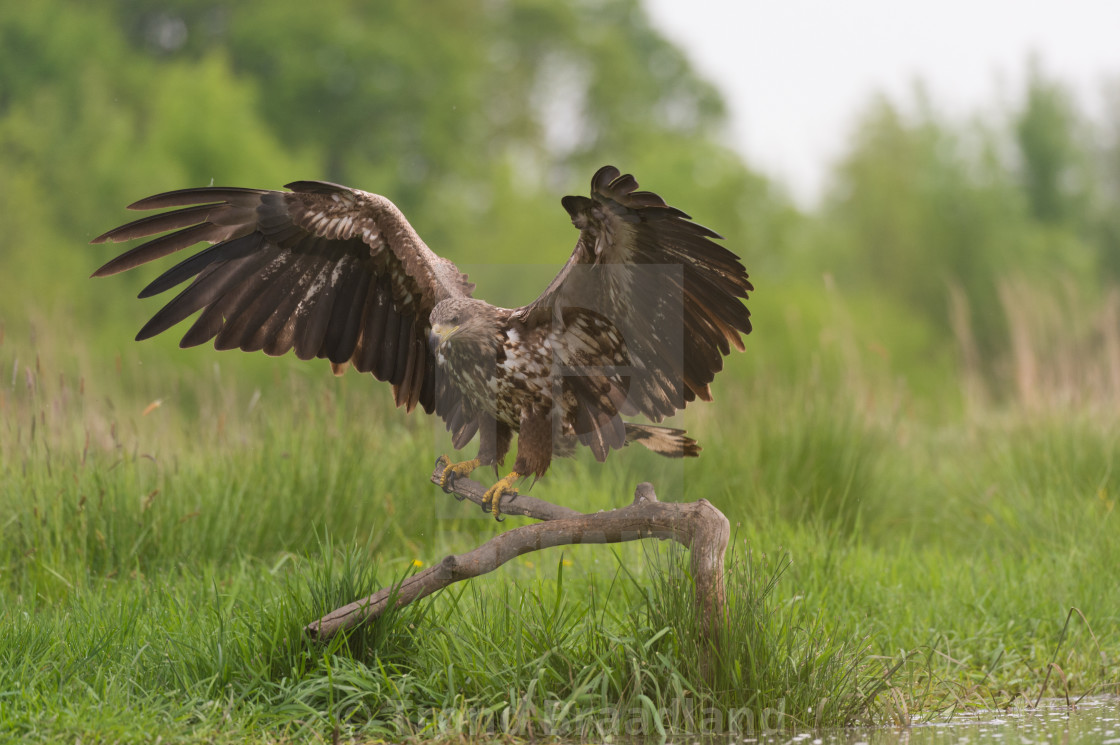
(390, 340)
(312, 319)
(160, 247)
(259, 299)
(275, 334)
(411, 376)
(238, 248)
(675, 297)
(341, 336)
(208, 323)
(213, 282)
(323, 269)
(406, 334)
(183, 197)
(377, 313)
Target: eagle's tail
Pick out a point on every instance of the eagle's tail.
(663, 440)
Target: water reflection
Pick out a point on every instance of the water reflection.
(1093, 720)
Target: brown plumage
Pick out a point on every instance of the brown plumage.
(636, 323)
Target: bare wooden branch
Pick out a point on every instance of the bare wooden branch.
(519, 504)
(697, 525)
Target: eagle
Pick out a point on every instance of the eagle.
(636, 323)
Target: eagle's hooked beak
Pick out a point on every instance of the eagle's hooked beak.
(439, 334)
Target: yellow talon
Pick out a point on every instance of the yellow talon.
(454, 471)
(493, 496)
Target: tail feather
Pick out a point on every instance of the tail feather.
(665, 441)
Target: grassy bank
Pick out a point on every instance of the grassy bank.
(165, 532)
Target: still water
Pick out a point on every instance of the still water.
(1093, 720)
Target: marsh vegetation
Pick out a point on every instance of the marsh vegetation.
(918, 452)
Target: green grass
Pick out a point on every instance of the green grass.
(157, 563)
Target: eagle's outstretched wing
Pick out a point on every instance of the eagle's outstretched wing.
(673, 296)
(330, 271)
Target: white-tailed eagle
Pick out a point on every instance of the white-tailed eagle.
(636, 323)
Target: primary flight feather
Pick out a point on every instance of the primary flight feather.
(636, 323)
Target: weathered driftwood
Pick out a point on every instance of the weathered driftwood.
(699, 526)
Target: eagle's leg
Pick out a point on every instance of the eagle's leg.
(534, 452)
(493, 444)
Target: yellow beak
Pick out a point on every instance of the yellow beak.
(439, 334)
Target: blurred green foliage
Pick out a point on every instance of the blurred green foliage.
(921, 204)
(475, 116)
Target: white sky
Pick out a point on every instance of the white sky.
(796, 72)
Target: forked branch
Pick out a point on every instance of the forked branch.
(698, 525)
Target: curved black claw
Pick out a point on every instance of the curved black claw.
(486, 507)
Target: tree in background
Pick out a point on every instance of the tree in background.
(1106, 172)
(1051, 159)
(473, 116)
(87, 126)
(989, 220)
(468, 114)
(918, 208)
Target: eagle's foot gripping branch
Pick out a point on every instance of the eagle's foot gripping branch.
(493, 496)
(453, 471)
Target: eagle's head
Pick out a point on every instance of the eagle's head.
(464, 325)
